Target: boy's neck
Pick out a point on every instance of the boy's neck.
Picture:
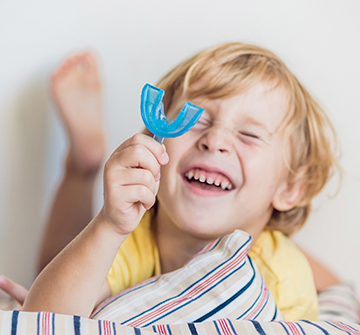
(175, 247)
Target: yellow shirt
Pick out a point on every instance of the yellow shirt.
(285, 269)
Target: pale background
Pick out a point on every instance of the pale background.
(137, 42)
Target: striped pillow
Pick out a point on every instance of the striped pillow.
(45, 323)
(339, 303)
(220, 281)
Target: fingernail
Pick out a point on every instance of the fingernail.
(164, 158)
(158, 177)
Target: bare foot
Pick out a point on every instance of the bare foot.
(76, 89)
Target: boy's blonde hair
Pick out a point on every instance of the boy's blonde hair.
(229, 69)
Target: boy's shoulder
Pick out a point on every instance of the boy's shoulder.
(275, 246)
(287, 274)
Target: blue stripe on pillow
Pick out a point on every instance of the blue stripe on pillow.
(258, 327)
(192, 329)
(231, 325)
(76, 324)
(217, 327)
(301, 328)
(38, 323)
(317, 326)
(14, 322)
(53, 325)
(287, 332)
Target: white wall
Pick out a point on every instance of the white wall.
(137, 42)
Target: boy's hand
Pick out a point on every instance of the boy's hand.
(131, 182)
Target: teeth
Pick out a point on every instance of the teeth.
(224, 184)
(190, 174)
(202, 178)
(210, 181)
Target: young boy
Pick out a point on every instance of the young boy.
(260, 153)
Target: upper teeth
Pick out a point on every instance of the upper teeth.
(225, 185)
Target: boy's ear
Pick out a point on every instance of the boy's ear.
(288, 195)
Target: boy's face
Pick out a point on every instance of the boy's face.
(227, 172)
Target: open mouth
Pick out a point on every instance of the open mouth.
(212, 181)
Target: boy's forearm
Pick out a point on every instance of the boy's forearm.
(72, 282)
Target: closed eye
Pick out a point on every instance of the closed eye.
(249, 135)
(202, 123)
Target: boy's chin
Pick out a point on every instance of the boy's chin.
(205, 229)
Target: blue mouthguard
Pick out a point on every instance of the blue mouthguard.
(152, 113)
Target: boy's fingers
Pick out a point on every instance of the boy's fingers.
(157, 149)
(137, 177)
(16, 291)
(140, 193)
(136, 157)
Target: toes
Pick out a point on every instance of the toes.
(90, 61)
(64, 67)
(90, 58)
(80, 62)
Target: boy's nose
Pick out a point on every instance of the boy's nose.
(216, 141)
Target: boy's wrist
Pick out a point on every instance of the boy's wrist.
(102, 221)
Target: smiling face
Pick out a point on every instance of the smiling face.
(228, 171)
